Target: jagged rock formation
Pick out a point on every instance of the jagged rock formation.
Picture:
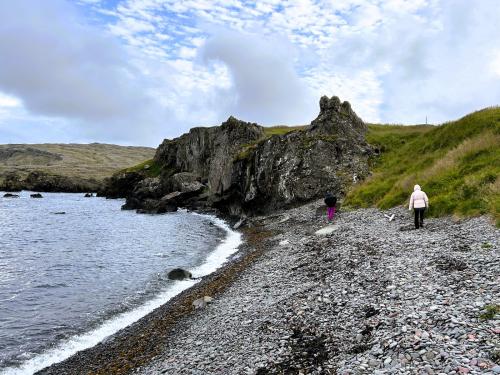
(238, 169)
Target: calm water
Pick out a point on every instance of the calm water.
(89, 272)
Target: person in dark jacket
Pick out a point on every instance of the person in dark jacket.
(330, 201)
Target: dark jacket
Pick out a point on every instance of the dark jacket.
(330, 200)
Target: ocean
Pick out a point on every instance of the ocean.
(75, 270)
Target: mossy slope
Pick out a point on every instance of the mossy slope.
(457, 164)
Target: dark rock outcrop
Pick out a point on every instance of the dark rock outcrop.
(41, 181)
(36, 195)
(11, 182)
(120, 185)
(238, 169)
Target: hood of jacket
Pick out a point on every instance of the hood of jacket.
(416, 188)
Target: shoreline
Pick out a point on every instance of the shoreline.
(128, 348)
(360, 297)
(222, 251)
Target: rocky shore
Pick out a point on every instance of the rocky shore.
(364, 295)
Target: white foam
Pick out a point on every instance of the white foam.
(75, 344)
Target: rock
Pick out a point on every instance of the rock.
(184, 182)
(237, 169)
(202, 302)
(240, 223)
(149, 187)
(60, 213)
(121, 185)
(326, 230)
(164, 207)
(36, 195)
(10, 195)
(179, 274)
(450, 263)
(89, 195)
(199, 303)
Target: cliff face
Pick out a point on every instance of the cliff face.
(208, 153)
(238, 169)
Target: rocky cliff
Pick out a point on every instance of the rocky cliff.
(240, 169)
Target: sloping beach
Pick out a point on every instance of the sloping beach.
(365, 296)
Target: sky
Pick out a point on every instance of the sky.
(134, 72)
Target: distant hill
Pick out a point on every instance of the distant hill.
(64, 167)
(457, 164)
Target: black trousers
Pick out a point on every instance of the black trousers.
(419, 217)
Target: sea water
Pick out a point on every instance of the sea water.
(75, 270)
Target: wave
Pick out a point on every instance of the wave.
(87, 340)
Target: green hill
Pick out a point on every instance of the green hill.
(457, 164)
(73, 164)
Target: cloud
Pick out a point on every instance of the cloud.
(136, 71)
(60, 66)
(431, 58)
(265, 85)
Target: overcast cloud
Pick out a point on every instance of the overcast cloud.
(136, 71)
(265, 85)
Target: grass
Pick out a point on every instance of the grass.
(248, 149)
(149, 167)
(490, 311)
(281, 130)
(457, 164)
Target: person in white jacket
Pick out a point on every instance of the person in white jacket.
(419, 202)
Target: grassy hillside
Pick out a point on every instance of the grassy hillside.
(457, 164)
(87, 161)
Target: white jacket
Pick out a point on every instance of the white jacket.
(418, 198)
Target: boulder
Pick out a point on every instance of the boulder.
(184, 182)
(132, 203)
(36, 195)
(202, 302)
(120, 185)
(89, 195)
(164, 208)
(179, 274)
(150, 187)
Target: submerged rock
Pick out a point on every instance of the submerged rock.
(36, 195)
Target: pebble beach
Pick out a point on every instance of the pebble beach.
(361, 295)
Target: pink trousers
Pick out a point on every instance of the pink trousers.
(331, 213)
